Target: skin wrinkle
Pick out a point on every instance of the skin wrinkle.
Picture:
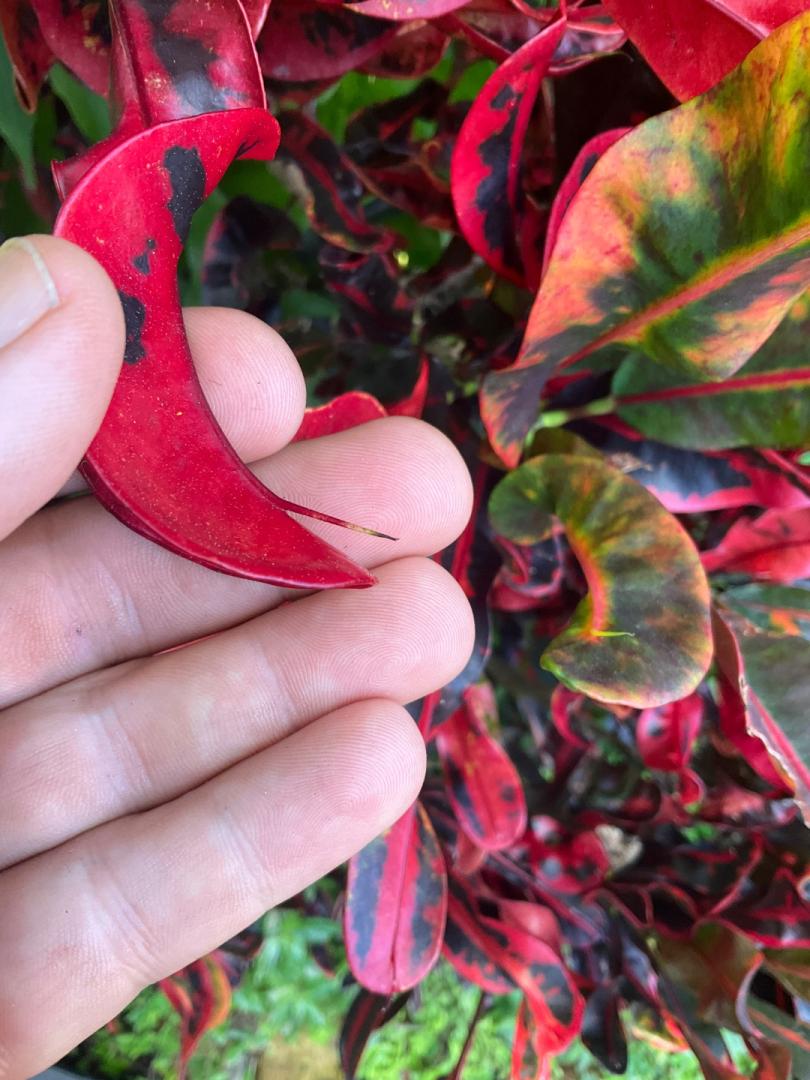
(408, 464)
(227, 697)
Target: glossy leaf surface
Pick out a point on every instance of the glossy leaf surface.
(730, 257)
(767, 403)
(771, 674)
(692, 44)
(396, 905)
(641, 637)
(483, 784)
(775, 546)
(486, 167)
(158, 420)
(305, 40)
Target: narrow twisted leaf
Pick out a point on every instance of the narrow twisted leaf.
(771, 674)
(767, 403)
(688, 242)
(396, 905)
(641, 636)
(692, 44)
(485, 173)
(159, 430)
(775, 546)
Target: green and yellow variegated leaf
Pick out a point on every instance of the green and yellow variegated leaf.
(642, 635)
(767, 403)
(688, 242)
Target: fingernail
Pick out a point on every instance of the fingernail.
(27, 290)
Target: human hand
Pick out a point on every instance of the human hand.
(153, 806)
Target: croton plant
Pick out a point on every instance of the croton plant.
(575, 237)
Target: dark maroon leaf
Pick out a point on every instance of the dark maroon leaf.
(331, 193)
(602, 1029)
(779, 920)
(305, 40)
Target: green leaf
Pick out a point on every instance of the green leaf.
(784, 609)
(641, 636)
(766, 404)
(771, 673)
(16, 126)
(789, 1030)
(688, 242)
(792, 968)
(89, 112)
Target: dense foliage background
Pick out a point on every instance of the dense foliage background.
(497, 216)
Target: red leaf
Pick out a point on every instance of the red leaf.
(583, 163)
(408, 55)
(564, 862)
(414, 403)
(149, 87)
(396, 904)
(201, 992)
(485, 172)
(688, 482)
(343, 412)
(527, 1064)
(406, 10)
(775, 546)
(304, 40)
(498, 956)
(732, 720)
(30, 56)
(666, 735)
(159, 432)
(367, 1012)
(77, 31)
(692, 44)
(483, 784)
(256, 11)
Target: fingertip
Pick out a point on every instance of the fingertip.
(250, 377)
(384, 763)
(57, 371)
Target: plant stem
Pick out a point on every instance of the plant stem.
(558, 417)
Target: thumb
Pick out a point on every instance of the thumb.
(61, 345)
